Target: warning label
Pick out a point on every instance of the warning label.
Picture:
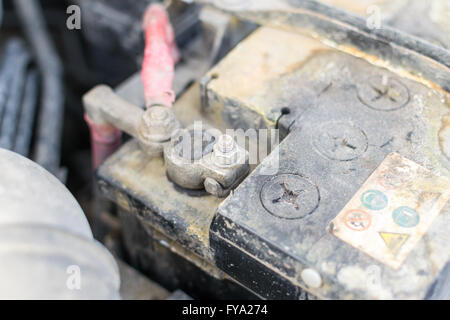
(394, 208)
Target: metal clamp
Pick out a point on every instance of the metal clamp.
(153, 127)
(206, 159)
(218, 164)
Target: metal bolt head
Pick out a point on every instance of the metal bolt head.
(225, 143)
(158, 124)
(158, 113)
(158, 116)
(226, 151)
(214, 188)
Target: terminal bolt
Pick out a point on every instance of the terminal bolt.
(226, 152)
(158, 124)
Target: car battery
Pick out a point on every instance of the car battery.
(351, 131)
(359, 136)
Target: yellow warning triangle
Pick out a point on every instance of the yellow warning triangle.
(394, 241)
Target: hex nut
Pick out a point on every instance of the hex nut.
(226, 152)
(158, 124)
(225, 143)
(214, 188)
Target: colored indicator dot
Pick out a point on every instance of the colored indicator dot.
(406, 217)
(374, 200)
(357, 220)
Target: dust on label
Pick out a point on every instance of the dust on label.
(394, 208)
